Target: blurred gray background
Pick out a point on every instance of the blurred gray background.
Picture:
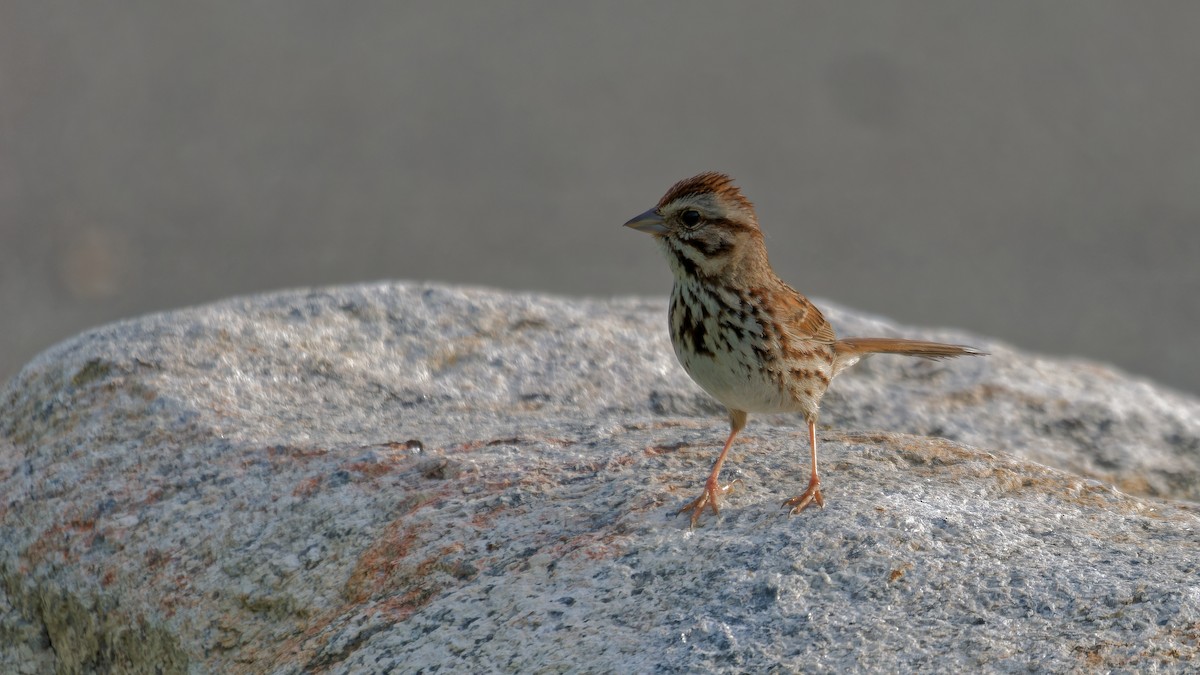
(1027, 170)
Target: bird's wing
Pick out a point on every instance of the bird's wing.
(802, 319)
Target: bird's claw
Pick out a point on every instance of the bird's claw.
(811, 495)
(707, 498)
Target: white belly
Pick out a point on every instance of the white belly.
(740, 387)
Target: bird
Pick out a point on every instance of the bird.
(752, 342)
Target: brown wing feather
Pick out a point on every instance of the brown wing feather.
(803, 320)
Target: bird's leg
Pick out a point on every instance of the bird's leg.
(737, 421)
(813, 493)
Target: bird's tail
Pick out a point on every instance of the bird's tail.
(850, 350)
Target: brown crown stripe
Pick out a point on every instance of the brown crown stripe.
(709, 182)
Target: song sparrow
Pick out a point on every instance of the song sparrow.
(750, 340)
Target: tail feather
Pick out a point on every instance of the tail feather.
(850, 350)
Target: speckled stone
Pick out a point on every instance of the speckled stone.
(417, 478)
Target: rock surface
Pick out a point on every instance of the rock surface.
(415, 478)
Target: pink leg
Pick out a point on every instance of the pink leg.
(737, 421)
(813, 493)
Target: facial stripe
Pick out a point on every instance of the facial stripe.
(732, 225)
(711, 246)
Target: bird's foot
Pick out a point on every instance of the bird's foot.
(707, 498)
(811, 495)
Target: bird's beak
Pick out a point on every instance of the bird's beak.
(649, 222)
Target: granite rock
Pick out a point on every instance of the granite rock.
(417, 478)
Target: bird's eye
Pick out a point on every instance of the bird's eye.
(690, 218)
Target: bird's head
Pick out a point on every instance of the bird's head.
(705, 225)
